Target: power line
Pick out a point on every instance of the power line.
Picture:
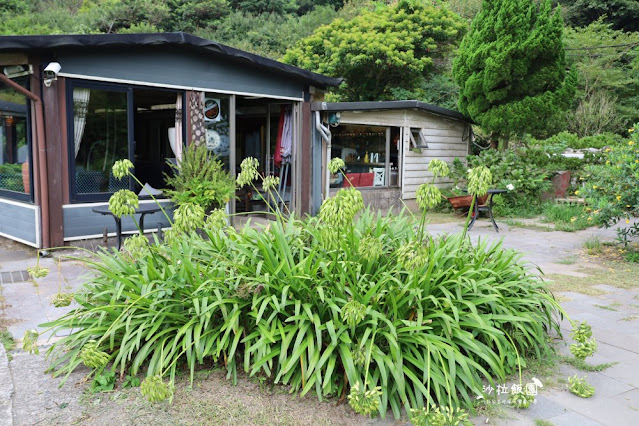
(603, 47)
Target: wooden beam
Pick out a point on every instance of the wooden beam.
(13, 59)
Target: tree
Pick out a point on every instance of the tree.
(279, 7)
(604, 73)
(511, 68)
(621, 14)
(393, 47)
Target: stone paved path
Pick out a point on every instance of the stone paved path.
(28, 393)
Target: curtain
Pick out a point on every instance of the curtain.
(179, 143)
(80, 106)
(196, 109)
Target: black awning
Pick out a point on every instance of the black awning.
(25, 43)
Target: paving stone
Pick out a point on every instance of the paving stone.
(630, 398)
(543, 408)
(6, 390)
(572, 419)
(626, 372)
(606, 411)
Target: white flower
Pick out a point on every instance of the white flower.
(510, 186)
(537, 382)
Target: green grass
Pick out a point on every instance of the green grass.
(570, 260)
(582, 365)
(542, 422)
(7, 340)
(593, 245)
(567, 218)
(611, 273)
(527, 225)
(611, 307)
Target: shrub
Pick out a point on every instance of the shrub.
(199, 179)
(611, 188)
(374, 308)
(571, 140)
(273, 301)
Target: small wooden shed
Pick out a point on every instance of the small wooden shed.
(386, 146)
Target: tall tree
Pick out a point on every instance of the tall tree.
(621, 14)
(375, 52)
(511, 68)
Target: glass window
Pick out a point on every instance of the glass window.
(370, 154)
(15, 151)
(217, 126)
(100, 138)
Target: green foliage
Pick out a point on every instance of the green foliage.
(580, 387)
(520, 168)
(567, 218)
(620, 14)
(571, 140)
(273, 301)
(586, 345)
(375, 52)
(103, 382)
(520, 399)
(611, 188)
(582, 365)
(155, 389)
(511, 68)
(130, 382)
(279, 7)
(199, 179)
(439, 416)
(606, 76)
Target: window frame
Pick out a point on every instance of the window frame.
(74, 197)
(387, 129)
(21, 196)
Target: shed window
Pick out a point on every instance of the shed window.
(417, 139)
(15, 146)
(370, 154)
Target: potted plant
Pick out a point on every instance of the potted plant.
(199, 178)
(457, 197)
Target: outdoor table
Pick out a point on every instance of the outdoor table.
(142, 211)
(488, 207)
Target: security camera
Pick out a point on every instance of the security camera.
(52, 70)
(51, 73)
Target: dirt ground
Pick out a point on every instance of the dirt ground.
(212, 400)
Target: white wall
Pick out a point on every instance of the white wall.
(447, 139)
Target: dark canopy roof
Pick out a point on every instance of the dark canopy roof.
(387, 105)
(25, 43)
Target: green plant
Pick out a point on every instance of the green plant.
(567, 218)
(522, 169)
(130, 382)
(582, 365)
(103, 382)
(380, 310)
(586, 344)
(504, 95)
(6, 339)
(520, 399)
(611, 189)
(439, 416)
(593, 245)
(632, 256)
(580, 387)
(199, 179)
(625, 235)
(357, 49)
